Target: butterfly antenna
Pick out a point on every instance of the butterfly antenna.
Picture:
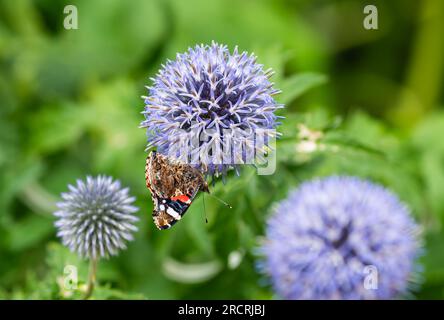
(205, 211)
(220, 200)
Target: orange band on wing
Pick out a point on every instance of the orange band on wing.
(182, 198)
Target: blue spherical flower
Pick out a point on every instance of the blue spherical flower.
(209, 102)
(95, 218)
(340, 238)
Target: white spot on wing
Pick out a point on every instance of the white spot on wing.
(173, 213)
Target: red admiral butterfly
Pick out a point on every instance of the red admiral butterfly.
(173, 186)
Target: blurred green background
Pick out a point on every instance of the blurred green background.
(370, 100)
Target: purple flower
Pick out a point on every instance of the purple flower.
(209, 102)
(340, 238)
(95, 218)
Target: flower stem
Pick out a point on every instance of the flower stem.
(91, 278)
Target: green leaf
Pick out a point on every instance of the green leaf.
(57, 127)
(295, 86)
(191, 272)
(30, 232)
(105, 292)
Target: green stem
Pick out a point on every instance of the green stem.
(423, 83)
(91, 278)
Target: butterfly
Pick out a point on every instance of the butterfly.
(173, 186)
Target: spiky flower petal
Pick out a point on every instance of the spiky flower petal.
(210, 102)
(95, 218)
(340, 238)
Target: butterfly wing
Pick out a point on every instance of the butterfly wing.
(173, 187)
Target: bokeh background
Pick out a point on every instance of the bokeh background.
(371, 100)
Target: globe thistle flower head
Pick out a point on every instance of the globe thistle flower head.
(95, 218)
(340, 238)
(211, 101)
